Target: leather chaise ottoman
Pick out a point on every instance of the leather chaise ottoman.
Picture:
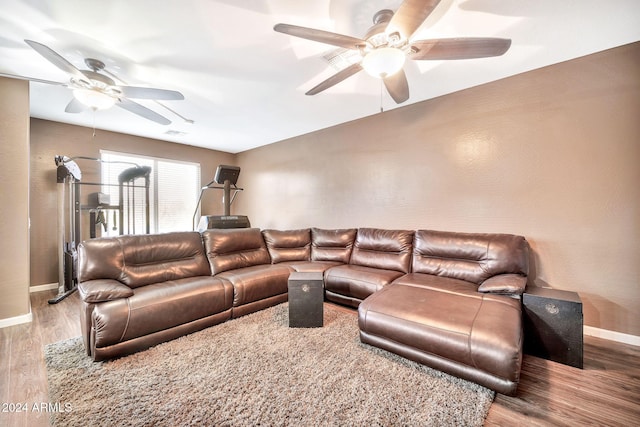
(470, 335)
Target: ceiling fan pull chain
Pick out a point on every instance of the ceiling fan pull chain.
(381, 109)
(94, 124)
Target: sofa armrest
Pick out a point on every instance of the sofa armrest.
(101, 290)
(509, 284)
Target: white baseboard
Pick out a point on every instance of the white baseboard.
(41, 288)
(11, 321)
(611, 335)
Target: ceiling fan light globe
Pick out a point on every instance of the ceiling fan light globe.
(383, 62)
(94, 99)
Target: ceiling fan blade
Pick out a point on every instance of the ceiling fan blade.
(459, 48)
(32, 79)
(75, 106)
(335, 79)
(409, 16)
(142, 111)
(150, 93)
(57, 60)
(321, 36)
(397, 86)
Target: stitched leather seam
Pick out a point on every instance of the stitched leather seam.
(364, 319)
(164, 261)
(173, 299)
(483, 264)
(126, 326)
(239, 251)
(477, 261)
(355, 280)
(398, 252)
(473, 323)
(124, 261)
(417, 323)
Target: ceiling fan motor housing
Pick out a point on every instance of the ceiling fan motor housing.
(96, 81)
(377, 37)
(97, 91)
(94, 64)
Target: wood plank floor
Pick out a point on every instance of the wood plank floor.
(23, 378)
(605, 393)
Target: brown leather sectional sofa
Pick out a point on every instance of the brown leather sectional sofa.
(447, 300)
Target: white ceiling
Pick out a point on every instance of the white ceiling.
(244, 83)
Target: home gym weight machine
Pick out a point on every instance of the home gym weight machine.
(68, 178)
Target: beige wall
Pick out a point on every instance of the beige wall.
(552, 154)
(49, 139)
(14, 198)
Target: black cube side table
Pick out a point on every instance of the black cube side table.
(306, 298)
(553, 325)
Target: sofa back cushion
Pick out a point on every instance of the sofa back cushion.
(332, 245)
(229, 249)
(473, 257)
(385, 249)
(288, 245)
(139, 260)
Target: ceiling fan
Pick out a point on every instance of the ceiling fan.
(95, 89)
(386, 45)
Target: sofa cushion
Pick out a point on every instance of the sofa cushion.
(473, 257)
(228, 249)
(138, 260)
(384, 249)
(357, 281)
(256, 282)
(288, 245)
(160, 306)
(332, 245)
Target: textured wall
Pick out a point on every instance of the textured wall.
(14, 198)
(49, 139)
(551, 154)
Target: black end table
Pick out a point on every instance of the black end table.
(553, 325)
(306, 298)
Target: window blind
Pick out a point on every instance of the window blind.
(173, 192)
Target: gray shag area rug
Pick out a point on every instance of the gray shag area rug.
(255, 370)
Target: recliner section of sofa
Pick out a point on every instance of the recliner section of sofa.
(134, 291)
(448, 300)
(310, 250)
(378, 258)
(239, 257)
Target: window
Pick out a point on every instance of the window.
(173, 193)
